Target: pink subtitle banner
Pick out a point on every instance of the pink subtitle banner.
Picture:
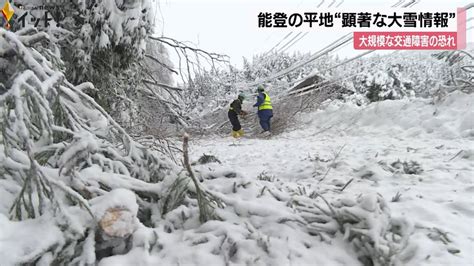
(414, 40)
(405, 41)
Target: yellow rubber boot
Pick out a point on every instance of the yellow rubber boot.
(235, 134)
(241, 133)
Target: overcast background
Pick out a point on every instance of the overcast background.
(230, 26)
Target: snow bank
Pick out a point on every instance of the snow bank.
(450, 118)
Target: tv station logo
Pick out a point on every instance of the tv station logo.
(15, 13)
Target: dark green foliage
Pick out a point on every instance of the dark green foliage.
(205, 159)
(410, 167)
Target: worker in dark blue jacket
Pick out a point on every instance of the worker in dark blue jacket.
(235, 110)
(265, 109)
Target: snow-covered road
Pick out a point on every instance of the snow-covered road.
(422, 151)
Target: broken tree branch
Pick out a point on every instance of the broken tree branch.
(180, 45)
(330, 165)
(347, 184)
(162, 85)
(205, 211)
(154, 59)
(167, 105)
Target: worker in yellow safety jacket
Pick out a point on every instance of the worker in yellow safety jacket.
(265, 109)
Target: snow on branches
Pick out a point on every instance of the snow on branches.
(377, 238)
(58, 147)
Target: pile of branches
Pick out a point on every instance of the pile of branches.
(285, 108)
(376, 237)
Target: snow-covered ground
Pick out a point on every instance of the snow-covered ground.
(275, 196)
(368, 145)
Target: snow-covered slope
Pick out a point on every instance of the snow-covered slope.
(421, 150)
(450, 118)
